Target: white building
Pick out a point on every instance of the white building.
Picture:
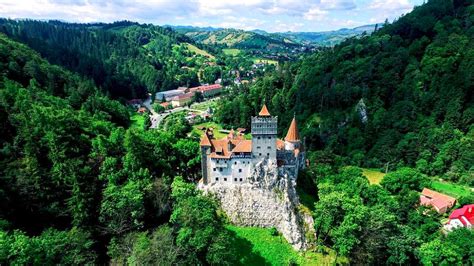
(233, 158)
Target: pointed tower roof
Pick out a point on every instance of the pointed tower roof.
(205, 142)
(264, 111)
(293, 134)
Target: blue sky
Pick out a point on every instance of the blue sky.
(269, 15)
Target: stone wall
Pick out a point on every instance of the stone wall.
(268, 199)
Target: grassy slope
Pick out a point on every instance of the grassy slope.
(374, 176)
(198, 51)
(231, 51)
(217, 127)
(272, 250)
(451, 189)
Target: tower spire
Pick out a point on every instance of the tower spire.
(293, 134)
(264, 111)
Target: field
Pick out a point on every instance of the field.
(257, 246)
(373, 175)
(231, 51)
(202, 106)
(454, 190)
(198, 51)
(138, 120)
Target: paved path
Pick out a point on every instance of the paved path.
(157, 118)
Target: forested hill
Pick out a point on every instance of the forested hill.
(125, 59)
(238, 39)
(401, 96)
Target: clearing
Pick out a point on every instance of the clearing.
(374, 175)
(451, 189)
(257, 246)
(231, 51)
(198, 51)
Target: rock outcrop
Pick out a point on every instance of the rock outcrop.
(268, 199)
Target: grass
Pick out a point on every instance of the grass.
(138, 120)
(258, 247)
(217, 127)
(198, 51)
(202, 106)
(374, 176)
(231, 51)
(453, 190)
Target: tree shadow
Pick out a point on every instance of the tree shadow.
(245, 253)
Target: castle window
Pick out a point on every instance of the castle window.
(260, 154)
(235, 179)
(225, 179)
(240, 171)
(220, 169)
(214, 169)
(217, 179)
(269, 147)
(240, 180)
(235, 163)
(269, 137)
(258, 137)
(258, 147)
(268, 154)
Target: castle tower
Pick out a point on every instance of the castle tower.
(292, 139)
(264, 135)
(205, 145)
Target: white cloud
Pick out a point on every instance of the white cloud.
(315, 14)
(391, 5)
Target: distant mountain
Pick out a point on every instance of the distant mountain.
(327, 38)
(260, 39)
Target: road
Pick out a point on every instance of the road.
(157, 118)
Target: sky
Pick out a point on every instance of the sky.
(268, 15)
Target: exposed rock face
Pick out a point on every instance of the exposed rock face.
(269, 199)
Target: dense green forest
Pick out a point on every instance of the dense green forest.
(402, 96)
(80, 185)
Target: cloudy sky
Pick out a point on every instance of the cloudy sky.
(269, 15)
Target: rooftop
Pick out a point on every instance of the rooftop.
(264, 111)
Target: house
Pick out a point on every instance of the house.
(232, 159)
(141, 110)
(463, 217)
(165, 105)
(182, 100)
(438, 201)
(135, 103)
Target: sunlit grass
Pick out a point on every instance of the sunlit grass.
(374, 176)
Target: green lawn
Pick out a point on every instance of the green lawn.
(202, 106)
(231, 51)
(198, 51)
(217, 127)
(374, 176)
(454, 190)
(138, 120)
(258, 247)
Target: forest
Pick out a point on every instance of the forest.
(80, 185)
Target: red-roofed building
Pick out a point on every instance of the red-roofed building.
(463, 217)
(182, 100)
(438, 201)
(207, 90)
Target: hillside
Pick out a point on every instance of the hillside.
(401, 96)
(125, 59)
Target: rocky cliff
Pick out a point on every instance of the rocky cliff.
(268, 199)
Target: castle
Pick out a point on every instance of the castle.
(232, 159)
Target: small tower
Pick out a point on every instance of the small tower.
(292, 139)
(205, 152)
(264, 135)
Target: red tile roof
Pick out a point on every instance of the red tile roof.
(464, 214)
